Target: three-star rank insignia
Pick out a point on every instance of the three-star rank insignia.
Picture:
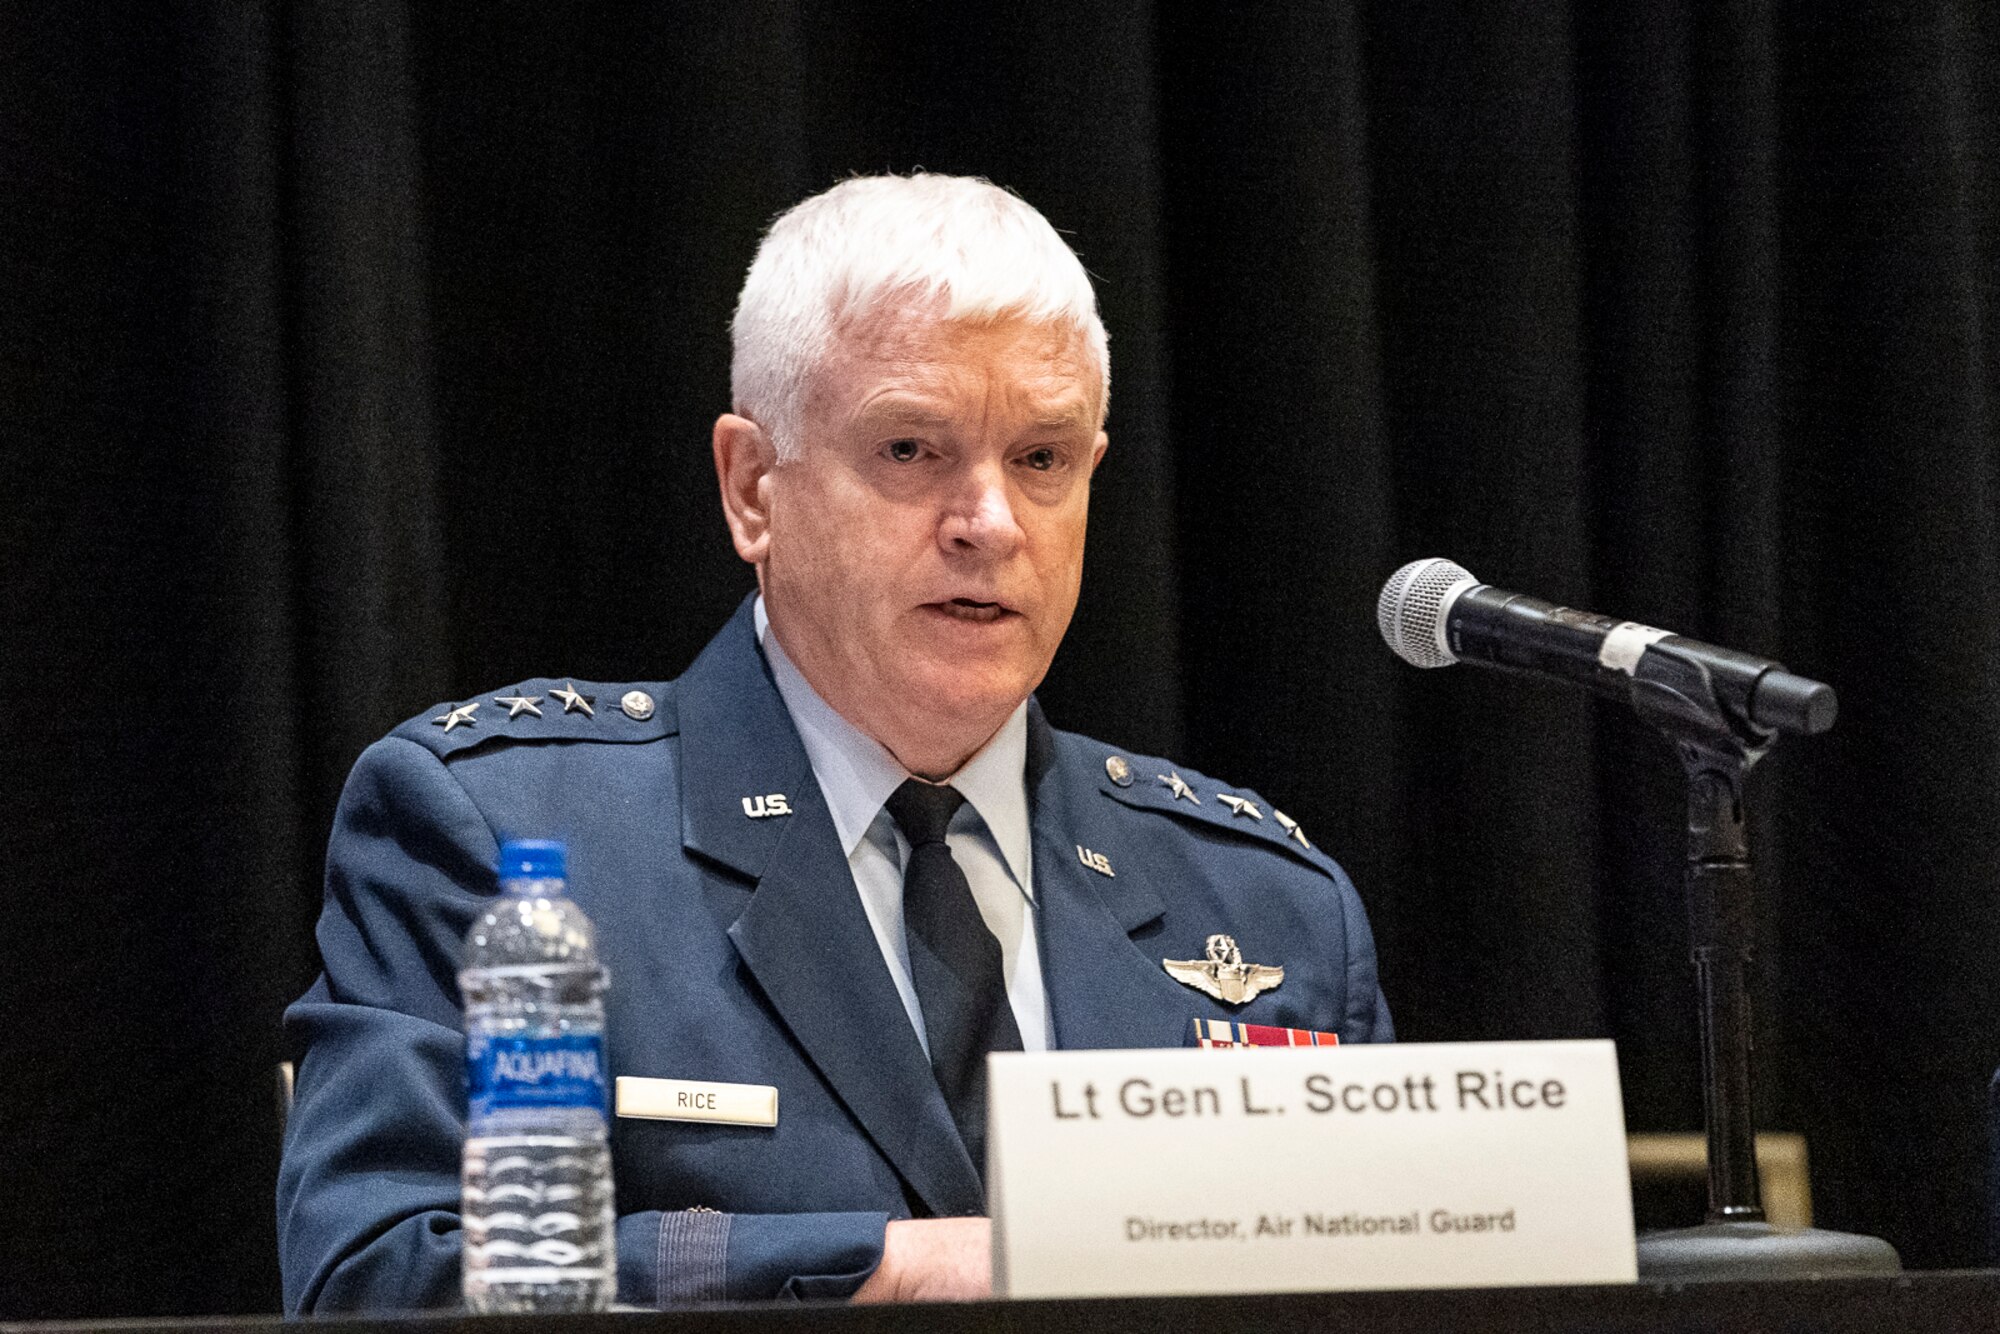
(1179, 787)
(573, 699)
(1240, 805)
(1291, 827)
(462, 716)
(1223, 974)
(516, 705)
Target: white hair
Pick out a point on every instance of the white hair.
(958, 242)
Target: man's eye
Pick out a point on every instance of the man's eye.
(904, 451)
(1043, 459)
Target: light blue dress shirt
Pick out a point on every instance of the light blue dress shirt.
(988, 837)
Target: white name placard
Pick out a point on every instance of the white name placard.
(1129, 1173)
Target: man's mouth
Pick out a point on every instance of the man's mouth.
(971, 609)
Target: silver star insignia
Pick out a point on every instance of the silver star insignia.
(519, 704)
(1290, 826)
(1241, 805)
(573, 700)
(460, 715)
(1179, 787)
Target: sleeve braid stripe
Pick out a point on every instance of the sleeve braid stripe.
(694, 1257)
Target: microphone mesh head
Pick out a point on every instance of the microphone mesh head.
(1410, 611)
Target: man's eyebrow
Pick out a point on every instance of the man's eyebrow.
(902, 411)
(1063, 419)
(905, 412)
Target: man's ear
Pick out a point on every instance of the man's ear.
(1097, 448)
(744, 458)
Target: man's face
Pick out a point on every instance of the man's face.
(926, 547)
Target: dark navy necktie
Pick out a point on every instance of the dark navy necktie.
(954, 961)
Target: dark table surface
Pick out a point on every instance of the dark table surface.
(1951, 1300)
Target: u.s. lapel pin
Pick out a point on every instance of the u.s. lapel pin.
(1223, 974)
(771, 803)
(1096, 861)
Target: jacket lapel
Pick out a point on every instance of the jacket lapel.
(1105, 989)
(805, 937)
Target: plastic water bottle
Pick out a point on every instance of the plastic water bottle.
(536, 1180)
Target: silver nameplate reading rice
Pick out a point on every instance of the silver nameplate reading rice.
(698, 1100)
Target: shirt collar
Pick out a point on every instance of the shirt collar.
(858, 774)
(995, 785)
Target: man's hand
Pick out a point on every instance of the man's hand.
(933, 1260)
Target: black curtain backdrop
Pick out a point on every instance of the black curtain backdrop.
(359, 356)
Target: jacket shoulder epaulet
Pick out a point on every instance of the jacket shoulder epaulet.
(546, 709)
(1149, 783)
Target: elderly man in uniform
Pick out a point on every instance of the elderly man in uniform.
(844, 855)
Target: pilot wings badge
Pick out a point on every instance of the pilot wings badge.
(1223, 974)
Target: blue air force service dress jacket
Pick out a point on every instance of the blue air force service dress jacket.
(739, 951)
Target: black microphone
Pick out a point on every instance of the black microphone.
(1433, 613)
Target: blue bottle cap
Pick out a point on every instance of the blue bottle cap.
(533, 859)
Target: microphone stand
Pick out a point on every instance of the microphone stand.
(1718, 746)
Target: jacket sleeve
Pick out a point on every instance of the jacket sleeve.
(1367, 1018)
(368, 1189)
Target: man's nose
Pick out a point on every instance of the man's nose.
(981, 515)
